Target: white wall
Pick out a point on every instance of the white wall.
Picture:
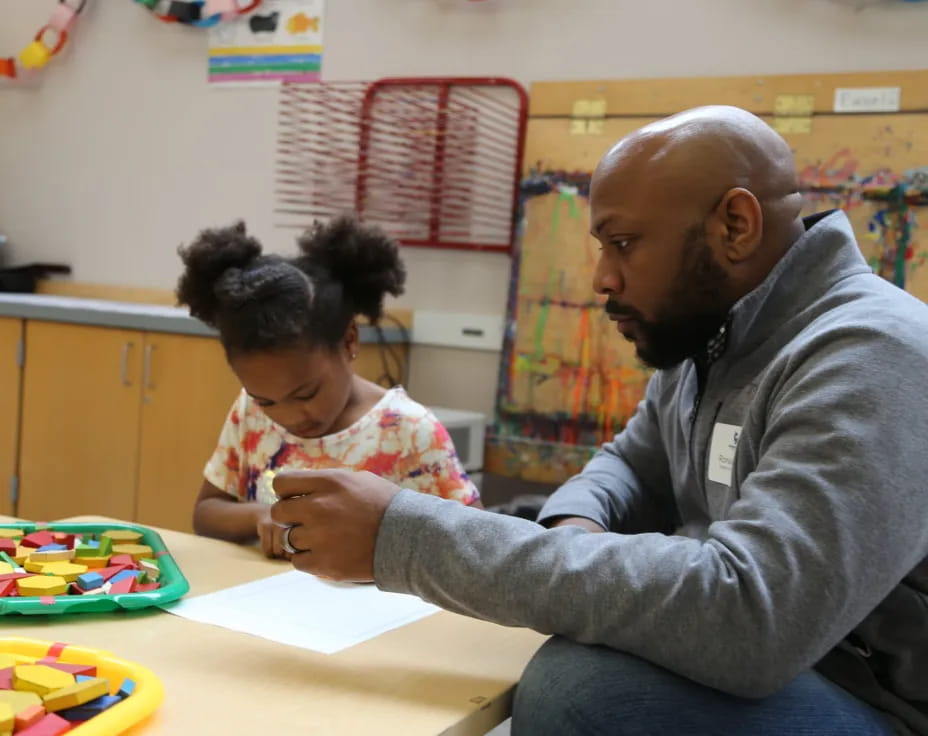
(122, 151)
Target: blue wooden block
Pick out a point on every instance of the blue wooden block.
(127, 688)
(52, 548)
(88, 710)
(81, 678)
(89, 581)
(125, 574)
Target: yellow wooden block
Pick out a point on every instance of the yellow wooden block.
(122, 536)
(7, 660)
(57, 555)
(40, 679)
(135, 551)
(94, 563)
(42, 585)
(70, 571)
(77, 694)
(7, 718)
(19, 701)
(36, 567)
(22, 554)
(11, 533)
(5, 569)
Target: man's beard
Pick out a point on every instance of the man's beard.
(695, 310)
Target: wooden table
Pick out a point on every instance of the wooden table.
(445, 674)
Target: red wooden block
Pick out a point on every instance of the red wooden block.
(8, 546)
(64, 538)
(75, 669)
(126, 585)
(108, 572)
(51, 725)
(7, 587)
(6, 679)
(37, 539)
(147, 587)
(15, 576)
(123, 560)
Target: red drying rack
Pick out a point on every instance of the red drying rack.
(434, 161)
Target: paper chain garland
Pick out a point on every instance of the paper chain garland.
(47, 43)
(198, 13)
(53, 36)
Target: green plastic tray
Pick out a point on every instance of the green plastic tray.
(173, 583)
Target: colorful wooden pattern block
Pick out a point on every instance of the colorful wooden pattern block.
(77, 694)
(91, 709)
(70, 571)
(37, 540)
(135, 551)
(50, 725)
(29, 716)
(42, 585)
(40, 679)
(151, 568)
(7, 719)
(122, 536)
(6, 568)
(7, 533)
(8, 546)
(51, 554)
(80, 671)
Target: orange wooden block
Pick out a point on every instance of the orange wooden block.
(29, 717)
(93, 563)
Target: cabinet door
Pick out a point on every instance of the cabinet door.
(188, 391)
(11, 335)
(80, 423)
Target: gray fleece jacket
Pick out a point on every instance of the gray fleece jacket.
(770, 520)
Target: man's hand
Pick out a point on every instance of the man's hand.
(270, 535)
(336, 516)
(582, 522)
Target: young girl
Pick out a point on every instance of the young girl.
(289, 331)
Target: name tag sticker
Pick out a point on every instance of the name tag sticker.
(722, 452)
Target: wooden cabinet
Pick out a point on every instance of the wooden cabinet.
(81, 406)
(11, 334)
(118, 422)
(187, 392)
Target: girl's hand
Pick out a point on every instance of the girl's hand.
(270, 535)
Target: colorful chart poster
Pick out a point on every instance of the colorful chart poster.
(281, 41)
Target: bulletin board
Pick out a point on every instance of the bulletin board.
(567, 381)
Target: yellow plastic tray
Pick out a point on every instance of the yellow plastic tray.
(121, 717)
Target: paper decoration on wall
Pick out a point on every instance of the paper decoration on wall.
(47, 43)
(199, 13)
(280, 43)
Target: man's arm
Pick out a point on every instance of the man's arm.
(626, 486)
(828, 523)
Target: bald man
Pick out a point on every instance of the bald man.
(750, 555)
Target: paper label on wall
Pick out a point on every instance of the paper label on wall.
(281, 41)
(792, 125)
(794, 105)
(722, 452)
(868, 99)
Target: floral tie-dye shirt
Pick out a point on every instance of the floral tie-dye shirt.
(398, 439)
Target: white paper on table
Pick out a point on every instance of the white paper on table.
(303, 611)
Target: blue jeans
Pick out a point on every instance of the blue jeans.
(570, 688)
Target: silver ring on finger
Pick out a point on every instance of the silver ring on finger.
(287, 544)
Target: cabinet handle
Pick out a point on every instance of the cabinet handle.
(146, 370)
(124, 369)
